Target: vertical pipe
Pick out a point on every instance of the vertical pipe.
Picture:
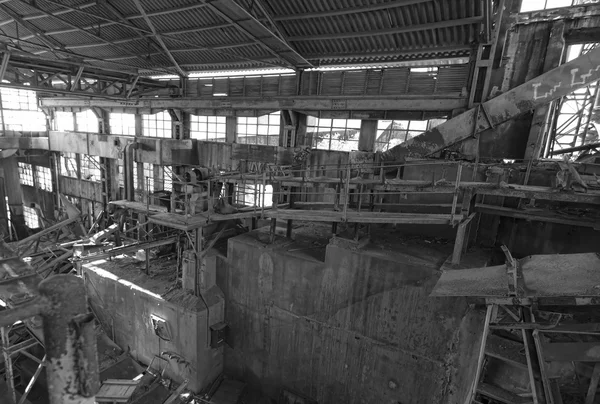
(347, 192)
(8, 364)
(72, 363)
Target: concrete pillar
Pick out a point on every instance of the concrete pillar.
(15, 196)
(187, 124)
(301, 137)
(138, 125)
(231, 129)
(188, 271)
(208, 273)
(368, 135)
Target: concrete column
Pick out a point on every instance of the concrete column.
(138, 125)
(112, 171)
(103, 121)
(15, 196)
(301, 137)
(231, 129)
(368, 134)
(186, 125)
(188, 271)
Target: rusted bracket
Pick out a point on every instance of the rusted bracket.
(481, 110)
(514, 273)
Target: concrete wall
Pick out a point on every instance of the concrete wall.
(125, 309)
(357, 328)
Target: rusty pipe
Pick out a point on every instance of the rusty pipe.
(72, 362)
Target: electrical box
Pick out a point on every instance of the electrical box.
(161, 328)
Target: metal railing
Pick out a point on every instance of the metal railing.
(348, 189)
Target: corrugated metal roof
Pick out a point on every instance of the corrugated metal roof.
(233, 34)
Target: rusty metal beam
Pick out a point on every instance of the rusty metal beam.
(550, 86)
(75, 81)
(349, 10)
(308, 103)
(390, 31)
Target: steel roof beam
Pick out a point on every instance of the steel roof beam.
(245, 22)
(80, 29)
(399, 52)
(354, 10)
(182, 41)
(183, 50)
(111, 9)
(389, 31)
(150, 35)
(138, 4)
(73, 55)
(83, 6)
(37, 33)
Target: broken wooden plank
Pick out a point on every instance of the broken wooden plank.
(571, 351)
(48, 230)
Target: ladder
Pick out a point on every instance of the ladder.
(482, 392)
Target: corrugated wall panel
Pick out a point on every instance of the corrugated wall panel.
(394, 81)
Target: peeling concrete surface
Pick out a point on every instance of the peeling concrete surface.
(356, 328)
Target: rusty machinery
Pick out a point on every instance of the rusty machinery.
(67, 332)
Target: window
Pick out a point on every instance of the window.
(18, 99)
(26, 174)
(393, 133)
(334, 134)
(24, 121)
(21, 112)
(532, 5)
(262, 130)
(122, 124)
(208, 127)
(577, 118)
(32, 220)
(148, 180)
(87, 121)
(157, 125)
(90, 168)
(44, 178)
(167, 178)
(121, 172)
(68, 164)
(252, 195)
(64, 121)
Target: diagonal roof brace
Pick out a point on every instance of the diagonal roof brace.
(249, 25)
(138, 4)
